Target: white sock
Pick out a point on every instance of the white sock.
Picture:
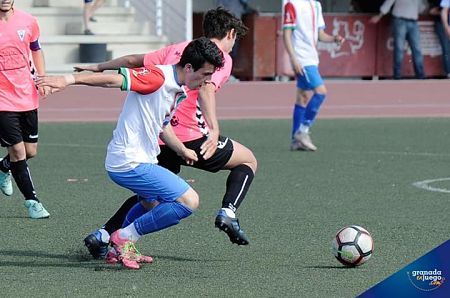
(130, 233)
(104, 235)
(229, 212)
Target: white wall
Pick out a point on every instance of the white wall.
(275, 5)
(261, 5)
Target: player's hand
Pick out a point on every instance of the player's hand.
(209, 147)
(189, 156)
(44, 91)
(297, 67)
(93, 68)
(339, 39)
(435, 11)
(52, 83)
(375, 19)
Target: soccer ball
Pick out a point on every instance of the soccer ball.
(352, 245)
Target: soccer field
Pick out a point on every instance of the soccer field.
(362, 174)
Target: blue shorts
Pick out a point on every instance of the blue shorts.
(151, 182)
(310, 79)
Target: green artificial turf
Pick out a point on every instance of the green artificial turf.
(361, 174)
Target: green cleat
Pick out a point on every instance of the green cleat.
(35, 209)
(5, 183)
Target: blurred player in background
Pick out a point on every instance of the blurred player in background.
(89, 9)
(131, 158)
(445, 15)
(196, 125)
(439, 28)
(19, 102)
(303, 27)
(405, 14)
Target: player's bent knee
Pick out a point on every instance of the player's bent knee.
(302, 98)
(321, 90)
(31, 154)
(241, 156)
(250, 159)
(190, 199)
(253, 164)
(17, 152)
(31, 150)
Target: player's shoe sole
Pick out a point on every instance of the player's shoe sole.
(297, 146)
(232, 228)
(113, 258)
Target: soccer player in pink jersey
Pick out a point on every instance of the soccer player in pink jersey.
(303, 27)
(19, 101)
(195, 123)
(154, 94)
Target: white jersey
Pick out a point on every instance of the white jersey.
(305, 19)
(153, 97)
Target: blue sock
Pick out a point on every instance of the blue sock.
(313, 108)
(297, 118)
(162, 216)
(135, 212)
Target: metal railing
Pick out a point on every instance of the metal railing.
(170, 18)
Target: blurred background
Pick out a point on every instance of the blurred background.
(124, 27)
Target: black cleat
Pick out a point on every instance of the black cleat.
(97, 248)
(231, 227)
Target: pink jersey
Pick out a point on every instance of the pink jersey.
(188, 122)
(17, 89)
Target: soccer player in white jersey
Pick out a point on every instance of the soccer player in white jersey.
(195, 124)
(131, 159)
(303, 27)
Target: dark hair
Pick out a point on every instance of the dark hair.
(219, 21)
(199, 51)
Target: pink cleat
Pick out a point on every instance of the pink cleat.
(145, 259)
(112, 257)
(125, 251)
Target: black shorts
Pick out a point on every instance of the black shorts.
(16, 127)
(171, 161)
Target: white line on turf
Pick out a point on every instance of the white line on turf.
(425, 184)
(73, 145)
(402, 153)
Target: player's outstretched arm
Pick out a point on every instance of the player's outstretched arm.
(170, 139)
(129, 61)
(58, 83)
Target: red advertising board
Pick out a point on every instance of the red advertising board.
(367, 50)
(356, 57)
